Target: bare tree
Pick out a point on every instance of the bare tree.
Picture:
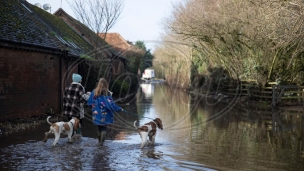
(99, 15)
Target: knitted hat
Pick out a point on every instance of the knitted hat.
(76, 78)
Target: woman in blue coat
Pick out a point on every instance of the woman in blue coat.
(103, 108)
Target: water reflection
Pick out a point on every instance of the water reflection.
(199, 133)
(148, 90)
(238, 137)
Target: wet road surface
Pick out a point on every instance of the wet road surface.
(86, 154)
(196, 136)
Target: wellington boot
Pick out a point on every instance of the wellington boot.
(103, 136)
(99, 138)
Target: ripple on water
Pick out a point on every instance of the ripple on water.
(37, 155)
(87, 154)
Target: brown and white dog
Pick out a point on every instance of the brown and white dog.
(149, 130)
(62, 127)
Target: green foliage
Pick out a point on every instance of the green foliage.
(146, 61)
(147, 58)
(53, 33)
(120, 87)
(133, 64)
(217, 80)
(199, 62)
(93, 71)
(84, 56)
(140, 45)
(133, 82)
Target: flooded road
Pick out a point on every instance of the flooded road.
(198, 134)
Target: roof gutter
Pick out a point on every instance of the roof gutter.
(25, 46)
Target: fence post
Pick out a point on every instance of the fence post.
(303, 97)
(273, 96)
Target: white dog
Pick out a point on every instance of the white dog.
(62, 127)
(149, 130)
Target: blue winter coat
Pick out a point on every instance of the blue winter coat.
(103, 108)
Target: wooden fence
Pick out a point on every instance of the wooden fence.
(272, 92)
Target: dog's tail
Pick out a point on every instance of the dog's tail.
(48, 120)
(135, 125)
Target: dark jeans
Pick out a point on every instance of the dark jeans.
(101, 133)
(101, 128)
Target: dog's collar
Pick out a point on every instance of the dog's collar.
(155, 124)
(72, 126)
(72, 123)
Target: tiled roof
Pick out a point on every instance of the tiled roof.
(116, 40)
(27, 24)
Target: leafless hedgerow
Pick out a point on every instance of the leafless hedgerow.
(173, 60)
(260, 40)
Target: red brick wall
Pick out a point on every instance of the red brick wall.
(29, 83)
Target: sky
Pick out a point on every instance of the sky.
(139, 20)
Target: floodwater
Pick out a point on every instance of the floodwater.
(199, 134)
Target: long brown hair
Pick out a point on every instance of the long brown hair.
(101, 88)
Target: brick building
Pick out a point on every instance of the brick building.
(38, 54)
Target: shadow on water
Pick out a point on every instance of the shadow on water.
(199, 134)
